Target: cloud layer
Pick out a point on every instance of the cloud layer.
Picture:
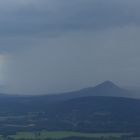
(48, 17)
(56, 46)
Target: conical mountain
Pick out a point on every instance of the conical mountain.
(106, 88)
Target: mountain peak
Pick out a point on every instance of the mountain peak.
(108, 83)
(107, 86)
(103, 87)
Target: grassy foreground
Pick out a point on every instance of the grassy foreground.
(64, 134)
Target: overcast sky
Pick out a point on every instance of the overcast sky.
(49, 46)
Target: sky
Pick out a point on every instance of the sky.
(51, 46)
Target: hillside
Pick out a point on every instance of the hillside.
(97, 114)
(84, 114)
(103, 108)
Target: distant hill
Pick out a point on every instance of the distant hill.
(106, 88)
(103, 108)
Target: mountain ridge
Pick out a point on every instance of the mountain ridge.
(106, 88)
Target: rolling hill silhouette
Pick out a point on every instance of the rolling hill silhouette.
(106, 88)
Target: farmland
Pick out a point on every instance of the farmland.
(64, 135)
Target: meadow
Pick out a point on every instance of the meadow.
(64, 134)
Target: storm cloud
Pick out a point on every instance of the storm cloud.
(58, 45)
(50, 17)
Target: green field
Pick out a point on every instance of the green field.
(64, 134)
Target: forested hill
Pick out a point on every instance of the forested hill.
(97, 114)
(98, 109)
(84, 114)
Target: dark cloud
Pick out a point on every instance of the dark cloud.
(27, 20)
(60, 45)
(49, 16)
